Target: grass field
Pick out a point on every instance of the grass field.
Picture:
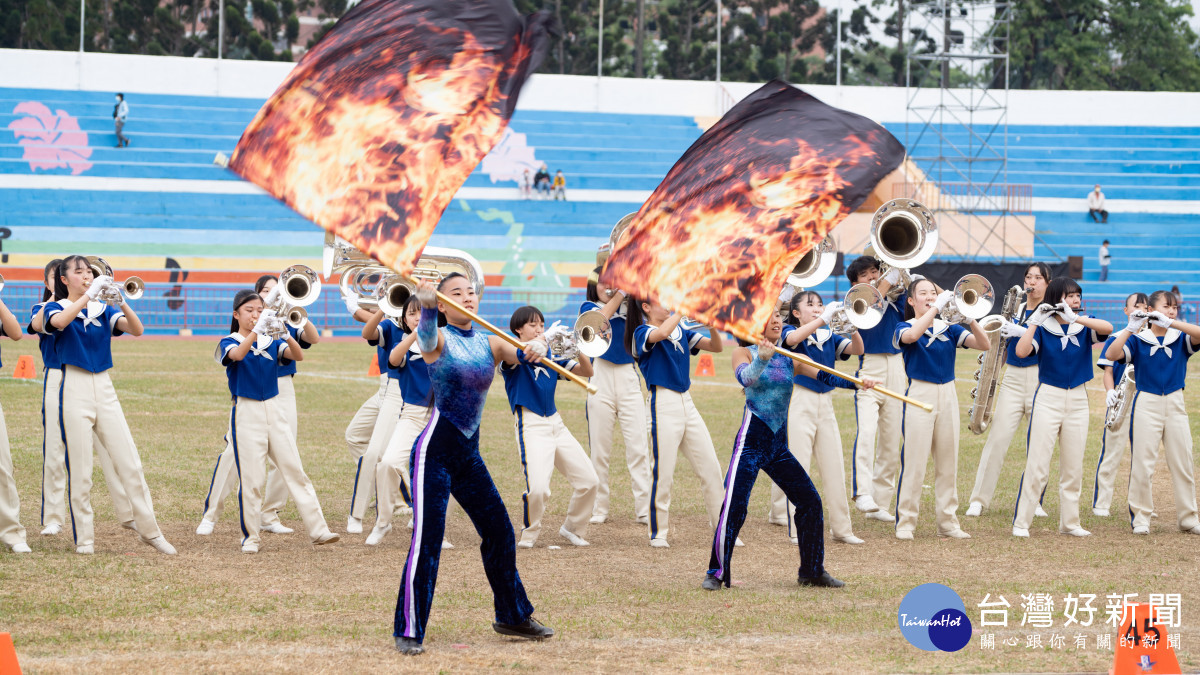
(617, 605)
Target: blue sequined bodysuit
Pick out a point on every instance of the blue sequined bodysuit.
(462, 374)
(768, 387)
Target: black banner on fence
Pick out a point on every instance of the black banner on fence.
(1001, 275)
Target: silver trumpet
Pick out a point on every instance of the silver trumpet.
(973, 300)
(132, 288)
(862, 308)
(298, 287)
(591, 336)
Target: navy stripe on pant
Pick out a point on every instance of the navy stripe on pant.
(446, 463)
(757, 447)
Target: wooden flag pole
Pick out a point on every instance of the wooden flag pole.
(591, 388)
(800, 358)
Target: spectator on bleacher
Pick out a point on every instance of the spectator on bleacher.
(541, 181)
(560, 186)
(1095, 201)
(526, 186)
(120, 112)
(1105, 260)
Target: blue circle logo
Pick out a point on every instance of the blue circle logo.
(933, 617)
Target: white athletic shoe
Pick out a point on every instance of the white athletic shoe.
(738, 542)
(249, 547)
(1020, 532)
(1039, 511)
(377, 534)
(85, 550)
(524, 543)
(446, 545)
(129, 525)
(570, 536)
(849, 539)
(327, 538)
(1103, 513)
(866, 504)
(659, 543)
(954, 534)
(904, 535)
(782, 522)
(597, 519)
(410, 523)
(276, 528)
(974, 510)
(1154, 514)
(205, 528)
(52, 529)
(1078, 532)
(161, 545)
(1142, 529)
(402, 510)
(353, 525)
(1194, 530)
(882, 516)
(21, 547)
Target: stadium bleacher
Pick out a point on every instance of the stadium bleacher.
(162, 198)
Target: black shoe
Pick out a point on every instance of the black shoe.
(531, 629)
(711, 583)
(826, 579)
(409, 646)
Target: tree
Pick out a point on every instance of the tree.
(1154, 45)
(1059, 45)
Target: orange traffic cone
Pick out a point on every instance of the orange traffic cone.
(705, 366)
(24, 369)
(1142, 647)
(8, 656)
(373, 369)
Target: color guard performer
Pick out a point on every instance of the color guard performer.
(1062, 340)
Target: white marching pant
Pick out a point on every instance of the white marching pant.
(390, 402)
(929, 433)
(618, 397)
(392, 474)
(813, 434)
(1153, 420)
(11, 531)
(546, 444)
(277, 493)
(1058, 415)
(676, 427)
(876, 451)
(1014, 400)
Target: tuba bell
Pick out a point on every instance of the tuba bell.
(815, 266)
(973, 299)
(903, 234)
(619, 229)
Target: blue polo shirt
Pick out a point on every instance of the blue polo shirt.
(878, 339)
(1117, 366)
(287, 367)
(616, 351)
(87, 341)
(383, 333)
(1011, 346)
(532, 385)
(413, 376)
(931, 357)
(1161, 362)
(1064, 353)
(824, 347)
(46, 340)
(666, 363)
(256, 376)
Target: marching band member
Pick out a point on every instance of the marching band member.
(54, 454)
(812, 426)
(929, 344)
(662, 347)
(1014, 396)
(876, 452)
(258, 424)
(391, 474)
(1112, 445)
(88, 402)
(618, 397)
(544, 441)
(362, 425)
(1160, 353)
(762, 444)
(387, 334)
(1062, 340)
(446, 461)
(224, 476)
(12, 533)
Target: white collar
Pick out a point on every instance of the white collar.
(1055, 328)
(1148, 336)
(819, 337)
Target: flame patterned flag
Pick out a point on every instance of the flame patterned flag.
(382, 121)
(718, 237)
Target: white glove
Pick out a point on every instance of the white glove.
(1161, 320)
(555, 330)
(944, 298)
(1136, 321)
(98, 285)
(1110, 398)
(830, 310)
(1012, 330)
(273, 296)
(892, 276)
(263, 326)
(1040, 314)
(351, 305)
(534, 350)
(1066, 312)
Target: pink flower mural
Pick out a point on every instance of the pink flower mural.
(50, 140)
